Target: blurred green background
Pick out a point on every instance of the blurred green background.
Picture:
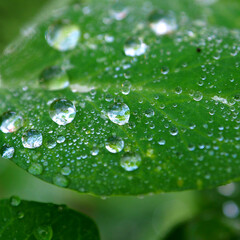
(118, 218)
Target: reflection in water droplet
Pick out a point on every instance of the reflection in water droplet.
(131, 161)
(11, 122)
(114, 144)
(53, 78)
(62, 111)
(35, 169)
(32, 139)
(43, 233)
(15, 201)
(134, 47)
(119, 113)
(162, 23)
(63, 36)
(60, 180)
(7, 151)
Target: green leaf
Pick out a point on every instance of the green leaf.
(183, 131)
(43, 221)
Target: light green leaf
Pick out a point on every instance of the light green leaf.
(43, 221)
(181, 94)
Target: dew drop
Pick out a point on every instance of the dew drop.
(173, 131)
(66, 171)
(62, 111)
(162, 23)
(164, 70)
(197, 96)
(63, 36)
(126, 87)
(32, 139)
(94, 151)
(60, 180)
(11, 122)
(60, 139)
(119, 113)
(114, 144)
(51, 144)
(149, 113)
(20, 215)
(35, 169)
(161, 142)
(43, 233)
(134, 47)
(7, 151)
(53, 78)
(118, 11)
(130, 161)
(15, 201)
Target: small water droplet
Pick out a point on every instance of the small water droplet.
(178, 90)
(63, 36)
(149, 113)
(134, 47)
(62, 111)
(131, 161)
(53, 78)
(197, 96)
(164, 70)
(162, 23)
(114, 144)
(161, 142)
(60, 180)
(11, 122)
(126, 87)
(173, 131)
(230, 209)
(94, 151)
(32, 139)
(43, 233)
(20, 215)
(7, 151)
(15, 201)
(51, 144)
(119, 113)
(35, 169)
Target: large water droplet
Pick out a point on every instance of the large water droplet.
(11, 122)
(32, 139)
(7, 151)
(131, 161)
(119, 113)
(60, 180)
(114, 144)
(62, 111)
(43, 233)
(162, 23)
(53, 78)
(134, 47)
(35, 169)
(63, 36)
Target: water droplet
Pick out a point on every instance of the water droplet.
(161, 142)
(32, 139)
(43, 233)
(94, 151)
(118, 11)
(35, 169)
(15, 201)
(62, 111)
(230, 209)
(126, 87)
(20, 215)
(60, 180)
(119, 113)
(7, 151)
(63, 36)
(51, 144)
(149, 113)
(11, 122)
(164, 70)
(53, 78)
(131, 161)
(66, 171)
(134, 47)
(162, 23)
(197, 96)
(114, 144)
(173, 131)
(178, 90)
(60, 139)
